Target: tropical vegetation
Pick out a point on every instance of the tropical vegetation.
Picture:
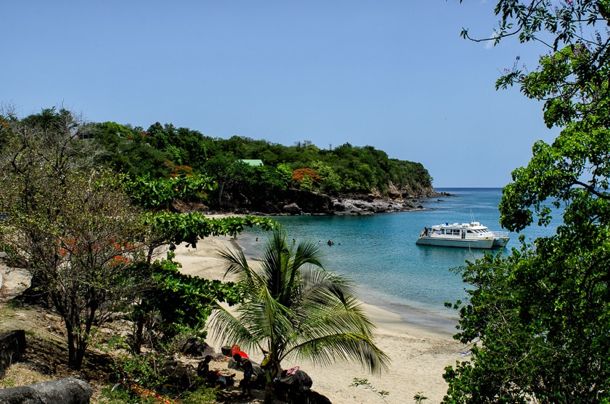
(292, 307)
(163, 151)
(540, 318)
(89, 231)
(88, 234)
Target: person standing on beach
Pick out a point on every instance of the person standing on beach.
(246, 382)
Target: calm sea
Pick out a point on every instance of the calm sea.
(380, 255)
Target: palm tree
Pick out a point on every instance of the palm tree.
(295, 308)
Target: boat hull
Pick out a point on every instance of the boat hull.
(458, 243)
(500, 242)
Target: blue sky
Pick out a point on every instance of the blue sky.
(391, 74)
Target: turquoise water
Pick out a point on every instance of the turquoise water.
(380, 255)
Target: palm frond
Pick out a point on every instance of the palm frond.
(307, 253)
(316, 321)
(328, 349)
(229, 329)
(265, 316)
(275, 263)
(237, 264)
(295, 307)
(321, 286)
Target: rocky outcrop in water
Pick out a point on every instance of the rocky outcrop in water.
(299, 202)
(369, 206)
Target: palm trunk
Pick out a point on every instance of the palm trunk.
(273, 370)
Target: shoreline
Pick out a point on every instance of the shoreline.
(418, 353)
(343, 205)
(436, 320)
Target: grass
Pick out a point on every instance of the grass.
(20, 374)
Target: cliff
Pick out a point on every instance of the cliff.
(296, 201)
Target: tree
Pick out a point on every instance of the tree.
(540, 318)
(173, 303)
(293, 307)
(69, 224)
(225, 169)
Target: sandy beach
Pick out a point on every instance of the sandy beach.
(418, 355)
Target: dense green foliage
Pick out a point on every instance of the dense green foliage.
(74, 224)
(541, 317)
(159, 193)
(177, 301)
(293, 307)
(67, 222)
(189, 227)
(163, 151)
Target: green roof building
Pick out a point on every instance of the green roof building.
(253, 163)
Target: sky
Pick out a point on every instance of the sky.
(393, 74)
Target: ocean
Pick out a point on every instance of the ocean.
(380, 255)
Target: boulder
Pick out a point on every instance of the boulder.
(196, 347)
(293, 386)
(12, 348)
(63, 391)
(316, 398)
(292, 208)
(180, 376)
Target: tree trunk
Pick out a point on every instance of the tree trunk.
(273, 370)
(72, 357)
(222, 187)
(79, 355)
(138, 334)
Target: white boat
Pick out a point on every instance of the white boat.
(466, 235)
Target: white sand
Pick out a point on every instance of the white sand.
(418, 356)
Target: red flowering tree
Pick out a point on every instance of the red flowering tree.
(306, 177)
(70, 225)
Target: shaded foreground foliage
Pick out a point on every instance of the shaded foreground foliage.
(540, 318)
(72, 224)
(293, 307)
(67, 222)
(174, 303)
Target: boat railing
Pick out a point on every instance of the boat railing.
(501, 233)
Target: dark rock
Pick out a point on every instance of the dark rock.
(316, 398)
(195, 347)
(300, 202)
(338, 206)
(63, 391)
(273, 203)
(179, 375)
(294, 387)
(12, 348)
(292, 208)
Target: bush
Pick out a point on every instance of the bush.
(203, 395)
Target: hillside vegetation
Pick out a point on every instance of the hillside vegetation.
(163, 151)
